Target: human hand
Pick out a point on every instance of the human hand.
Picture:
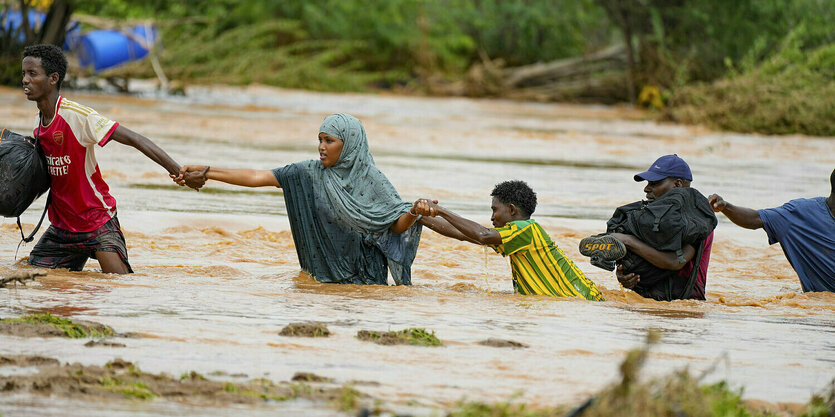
(193, 176)
(425, 207)
(717, 202)
(628, 281)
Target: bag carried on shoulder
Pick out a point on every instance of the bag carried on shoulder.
(680, 217)
(23, 175)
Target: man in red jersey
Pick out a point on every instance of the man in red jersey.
(81, 209)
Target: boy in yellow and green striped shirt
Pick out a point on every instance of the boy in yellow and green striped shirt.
(538, 265)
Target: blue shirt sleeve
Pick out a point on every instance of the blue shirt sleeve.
(775, 221)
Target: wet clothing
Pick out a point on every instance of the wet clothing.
(81, 209)
(59, 248)
(340, 216)
(539, 266)
(701, 278)
(805, 229)
(80, 199)
(668, 289)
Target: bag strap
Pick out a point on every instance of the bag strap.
(31, 236)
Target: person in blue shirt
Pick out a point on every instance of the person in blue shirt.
(805, 228)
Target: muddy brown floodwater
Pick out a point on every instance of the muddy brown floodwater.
(217, 277)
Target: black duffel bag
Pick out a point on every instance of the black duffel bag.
(23, 175)
(682, 216)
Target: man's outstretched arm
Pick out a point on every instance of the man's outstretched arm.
(741, 216)
(128, 137)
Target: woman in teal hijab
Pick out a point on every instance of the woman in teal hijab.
(349, 224)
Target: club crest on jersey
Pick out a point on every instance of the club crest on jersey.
(58, 138)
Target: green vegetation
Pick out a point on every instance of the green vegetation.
(711, 61)
(343, 45)
(411, 336)
(299, 389)
(502, 409)
(715, 400)
(793, 91)
(136, 389)
(315, 329)
(70, 329)
(676, 394)
(278, 52)
(192, 376)
(822, 405)
(349, 398)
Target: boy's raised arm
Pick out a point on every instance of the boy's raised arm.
(439, 225)
(470, 230)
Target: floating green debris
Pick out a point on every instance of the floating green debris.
(349, 398)
(192, 376)
(502, 409)
(305, 330)
(71, 329)
(411, 336)
(129, 389)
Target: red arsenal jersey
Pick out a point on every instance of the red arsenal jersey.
(81, 200)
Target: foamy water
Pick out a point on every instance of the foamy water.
(217, 275)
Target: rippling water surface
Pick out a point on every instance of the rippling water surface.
(217, 276)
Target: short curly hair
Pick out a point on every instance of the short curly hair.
(518, 193)
(52, 59)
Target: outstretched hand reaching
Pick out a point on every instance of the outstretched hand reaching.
(717, 202)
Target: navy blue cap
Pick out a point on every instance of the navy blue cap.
(665, 167)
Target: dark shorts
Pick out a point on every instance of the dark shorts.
(59, 248)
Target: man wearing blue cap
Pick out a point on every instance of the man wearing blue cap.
(805, 228)
(665, 174)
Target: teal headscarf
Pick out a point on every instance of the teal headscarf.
(341, 216)
(361, 196)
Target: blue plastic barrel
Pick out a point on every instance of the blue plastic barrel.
(103, 49)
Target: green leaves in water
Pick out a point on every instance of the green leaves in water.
(411, 336)
(70, 329)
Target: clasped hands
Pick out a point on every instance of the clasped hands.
(425, 207)
(193, 176)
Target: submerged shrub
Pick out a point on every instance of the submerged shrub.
(411, 336)
(70, 328)
(676, 394)
(305, 330)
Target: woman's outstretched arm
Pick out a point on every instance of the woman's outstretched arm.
(404, 222)
(244, 177)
